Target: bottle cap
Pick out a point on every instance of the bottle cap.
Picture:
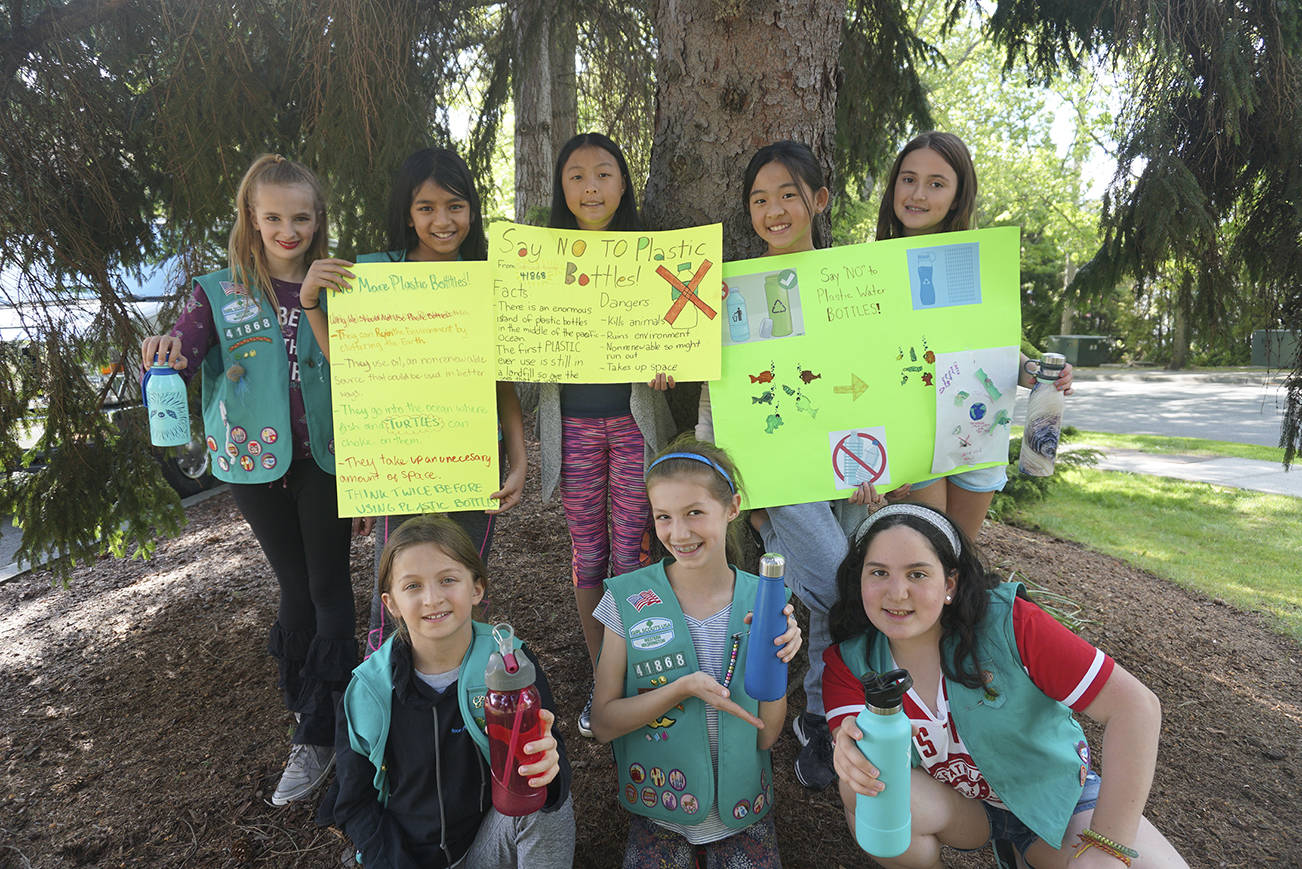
(509, 668)
(1051, 365)
(772, 565)
(884, 692)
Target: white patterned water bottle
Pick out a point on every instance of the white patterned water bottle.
(1043, 419)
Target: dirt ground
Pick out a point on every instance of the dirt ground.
(140, 724)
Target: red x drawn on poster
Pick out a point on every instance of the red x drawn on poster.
(842, 448)
(686, 292)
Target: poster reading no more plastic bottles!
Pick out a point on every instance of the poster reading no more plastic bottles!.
(413, 386)
(886, 362)
(606, 307)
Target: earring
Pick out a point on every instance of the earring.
(948, 598)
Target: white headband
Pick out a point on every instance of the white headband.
(932, 517)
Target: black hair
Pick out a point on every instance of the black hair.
(625, 218)
(707, 474)
(798, 159)
(446, 169)
(959, 618)
(955, 153)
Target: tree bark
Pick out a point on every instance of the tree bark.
(531, 80)
(734, 76)
(564, 83)
(1180, 332)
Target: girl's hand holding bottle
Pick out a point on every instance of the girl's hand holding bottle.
(1026, 375)
(166, 347)
(542, 771)
(323, 273)
(790, 640)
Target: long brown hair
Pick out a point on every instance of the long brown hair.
(955, 153)
(248, 259)
(443, 533)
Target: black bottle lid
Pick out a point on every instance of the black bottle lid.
(885, 691)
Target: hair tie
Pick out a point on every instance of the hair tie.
(930, 516)
(697, 457)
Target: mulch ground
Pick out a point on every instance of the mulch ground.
(140, 724)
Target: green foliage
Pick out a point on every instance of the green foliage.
(1024, 489)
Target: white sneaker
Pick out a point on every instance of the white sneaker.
(308, 766)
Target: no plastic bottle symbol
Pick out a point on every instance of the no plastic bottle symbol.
(859, 457)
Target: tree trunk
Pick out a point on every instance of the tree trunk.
(531, 80)
(732, 77)
(564, 84)
(1066, 324)
(1180, 334)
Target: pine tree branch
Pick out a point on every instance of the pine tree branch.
(53, 22)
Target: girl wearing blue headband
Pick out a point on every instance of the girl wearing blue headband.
(699, 783)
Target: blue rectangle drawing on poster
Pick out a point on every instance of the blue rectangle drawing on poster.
(945, 275)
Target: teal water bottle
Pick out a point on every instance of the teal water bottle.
(766, 673)
(883, 824)
(166, 404)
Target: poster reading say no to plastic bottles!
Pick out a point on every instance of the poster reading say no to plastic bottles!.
(606, 307)
(886, 363)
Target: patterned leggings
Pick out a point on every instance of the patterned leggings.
(601, 465)
(651, 846)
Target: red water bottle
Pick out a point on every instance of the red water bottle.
(511, 710)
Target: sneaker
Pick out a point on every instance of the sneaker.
(814, 761)
(585, 717)
(308, 766)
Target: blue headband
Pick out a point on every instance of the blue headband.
(697, 457)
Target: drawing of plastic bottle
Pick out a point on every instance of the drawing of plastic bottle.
(688, 316)
(779, 302)
(1043, 419)
(926, 286)
(738, 324)
(852, 471)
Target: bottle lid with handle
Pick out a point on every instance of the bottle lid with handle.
(509, 668)
(772, 565)
(1051, 365)
(884, 692)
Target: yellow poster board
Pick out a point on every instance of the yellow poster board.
(414, 389)
(606, 307)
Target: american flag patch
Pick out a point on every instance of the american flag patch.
(646, 597)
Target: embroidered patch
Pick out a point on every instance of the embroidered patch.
(677, 780)
(689, 804)
(232, 450)
(223, 463)
(239, 435)
(231, 288)
(254, 448)
(630, 794)
(637, 773)
(669, 800)
(268, 461)
(269, 435)
(645, 597)
(741, 810)
(759, 803)
(662, 664)
(657, 776)
(648, 797)
(212, 443)
(651, 634)
(240, 309)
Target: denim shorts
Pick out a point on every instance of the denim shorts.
(1005, 825)
(981, 480)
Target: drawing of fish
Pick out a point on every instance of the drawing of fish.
(774, 422)
(766, 398)
(809, 376)
(763, 377)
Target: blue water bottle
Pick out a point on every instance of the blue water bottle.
(165, 401)
(883, 824)
(738, 323)
(766, 673)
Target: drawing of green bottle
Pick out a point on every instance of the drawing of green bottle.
(779, 302)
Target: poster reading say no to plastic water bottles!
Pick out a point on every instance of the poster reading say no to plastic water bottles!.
(606, 307)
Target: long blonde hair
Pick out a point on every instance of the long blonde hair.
(247, 257)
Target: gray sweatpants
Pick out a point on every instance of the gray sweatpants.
(813, 541)
(543, 839)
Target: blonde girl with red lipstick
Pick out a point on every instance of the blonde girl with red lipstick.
(932, 188)
(692, 749)
(596, 438)
(266, 409)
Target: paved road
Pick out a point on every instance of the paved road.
(1241, 407)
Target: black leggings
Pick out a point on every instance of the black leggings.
(296, 522)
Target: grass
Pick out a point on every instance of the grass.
(1178, 446)
(1240, 546)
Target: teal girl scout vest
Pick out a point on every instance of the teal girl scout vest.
(247, 420)
(384, 256)
(1026, 744)
(368, 701)
(664, 767)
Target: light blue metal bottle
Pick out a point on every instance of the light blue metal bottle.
(883, 824)
(766, 673)
(165, 401)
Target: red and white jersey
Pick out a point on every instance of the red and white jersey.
(1061, 664)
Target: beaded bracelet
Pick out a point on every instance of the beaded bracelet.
(1091, 839)
(732, 659)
